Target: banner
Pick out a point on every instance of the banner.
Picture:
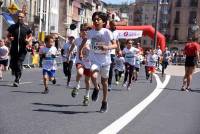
(129, 34)
(8, 18)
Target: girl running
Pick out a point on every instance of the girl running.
(129, 53)
(3, 58)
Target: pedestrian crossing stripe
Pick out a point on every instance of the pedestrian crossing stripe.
(13, 8)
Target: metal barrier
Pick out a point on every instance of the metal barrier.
(28, 61)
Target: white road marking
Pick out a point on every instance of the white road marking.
(21, 83)
(120, 123)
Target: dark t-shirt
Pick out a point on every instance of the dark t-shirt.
(18, 45)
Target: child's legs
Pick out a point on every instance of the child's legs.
(104, 81)
(1, 70)
(116, 75)
(95, 69)
(45, 78)
(80, 71)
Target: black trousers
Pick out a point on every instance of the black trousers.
(111, 69)
(67, 69)
(16, 65)
(118, 74)
(128, 73)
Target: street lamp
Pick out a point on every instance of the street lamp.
(194, 29)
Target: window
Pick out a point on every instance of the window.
(177, 18)
(178, 3)
(192, 17)
(194, 3)
(176, 30)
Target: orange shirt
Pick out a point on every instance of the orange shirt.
(191, 49)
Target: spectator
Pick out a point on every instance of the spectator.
(192, 56)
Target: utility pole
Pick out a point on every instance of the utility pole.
(41, 15)
(156, 24)
(47, 17)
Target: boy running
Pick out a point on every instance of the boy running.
(49, 63)
(83, 66)
(101, 42)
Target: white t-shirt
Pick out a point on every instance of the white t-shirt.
(151, 60)
(4, 52)
(98, 38)
(65, 56)
(86, 53)
(159, 52)
(119, 63)
(49, 63)
(115, 37)
(130, 54)
(137, 60)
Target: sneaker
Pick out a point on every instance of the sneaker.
(129, 88)
(15, 84)
(54, 81)
(104, 107)
(46, 91)
(109, 88)
(74, 92)
(117, 82)
(95, 94)
(124, 85)
(86, 101)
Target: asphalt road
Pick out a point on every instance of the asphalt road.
(24, 110)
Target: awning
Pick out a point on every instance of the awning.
(8, 18)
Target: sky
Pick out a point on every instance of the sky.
(117, 1)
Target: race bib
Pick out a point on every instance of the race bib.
(129, 57)
(49, 62)
(96, 47)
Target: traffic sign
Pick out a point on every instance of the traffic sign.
(13, 8)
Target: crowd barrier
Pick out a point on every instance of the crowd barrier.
(32, 61)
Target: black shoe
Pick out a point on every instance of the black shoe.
(46, 91)
(95, 94)
(54, 81)
(15, 84)
(104, 107)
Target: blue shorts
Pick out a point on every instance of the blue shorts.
(50, 73)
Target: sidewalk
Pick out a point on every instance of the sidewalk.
(177, 70)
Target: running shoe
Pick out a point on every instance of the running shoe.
(74, 92)
(15, 84)
(54, 81)
(125, 84)
(86, 101)
(117, 82)
(109, 88)
(129, 87)
(46, 91)
(104, 107)
(95, 94)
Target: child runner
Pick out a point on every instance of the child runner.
(151, 63)
(3, 58)
(119, 66)
(137, 63)
(49, 63)
(129, 53)
(83, 66)
(68, 58)
(101, 42)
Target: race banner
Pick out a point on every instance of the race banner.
(129, 34)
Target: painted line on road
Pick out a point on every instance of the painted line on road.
(120, 123)
(21, 83)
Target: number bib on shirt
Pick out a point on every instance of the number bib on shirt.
(129, 57)
(96, 47)
(49, 62)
